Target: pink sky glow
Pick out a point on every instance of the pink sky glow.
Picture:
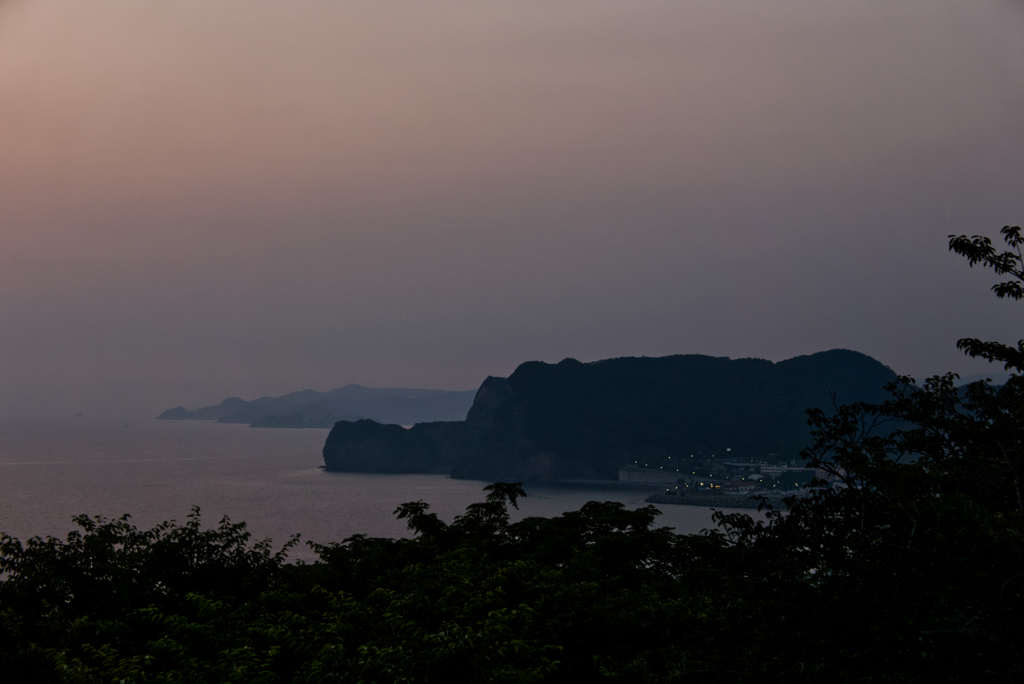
(204, 199)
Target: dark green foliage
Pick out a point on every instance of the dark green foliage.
(110, 586)
(924, 543)
(979, 250)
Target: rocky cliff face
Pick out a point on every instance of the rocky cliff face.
(584, 420)
(366, 446)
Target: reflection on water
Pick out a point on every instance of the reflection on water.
(51, 470)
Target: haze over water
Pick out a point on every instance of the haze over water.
(206, 199)
(53, 469)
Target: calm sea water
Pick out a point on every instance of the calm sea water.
(53, 469)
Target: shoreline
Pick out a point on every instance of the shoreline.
(712, 500)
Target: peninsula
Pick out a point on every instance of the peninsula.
(573, 420)
(311, 409)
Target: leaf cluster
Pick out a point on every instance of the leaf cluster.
(1010, 262)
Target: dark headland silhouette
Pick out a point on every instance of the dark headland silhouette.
(572, 420)
(323, 409)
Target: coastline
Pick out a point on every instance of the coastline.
(713, 500)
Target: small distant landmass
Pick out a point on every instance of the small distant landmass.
(312, 409)
(586, 421)
(994, 378)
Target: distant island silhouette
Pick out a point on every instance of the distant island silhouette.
(573, 420)
(312, 409)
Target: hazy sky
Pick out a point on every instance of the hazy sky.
(201, 199)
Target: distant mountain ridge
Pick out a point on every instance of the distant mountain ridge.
(309, 408)
(570, 420)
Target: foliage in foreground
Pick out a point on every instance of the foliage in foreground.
(912, 571)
